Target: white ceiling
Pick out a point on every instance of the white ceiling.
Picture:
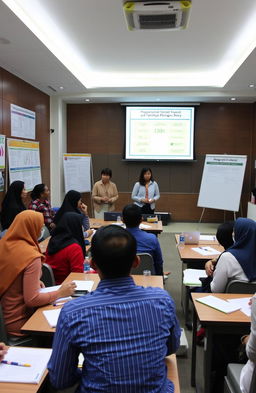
(91, 38)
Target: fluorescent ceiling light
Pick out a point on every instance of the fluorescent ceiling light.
(55, 39)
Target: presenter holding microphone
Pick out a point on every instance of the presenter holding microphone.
(146, 192)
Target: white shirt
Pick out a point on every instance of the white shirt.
(228, 268)
(247, 371)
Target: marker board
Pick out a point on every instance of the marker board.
(222, 182)
(77, 172)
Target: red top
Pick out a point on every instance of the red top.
(69, 259)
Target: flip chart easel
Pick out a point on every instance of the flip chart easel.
(222, 182)
(78, 173)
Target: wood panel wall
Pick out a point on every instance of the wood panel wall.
(14, 90)
(219, 128)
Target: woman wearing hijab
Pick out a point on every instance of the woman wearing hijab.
(66, 248)
(20, 272)
(224, 235)
(239, 261)
(73, 203)
(13, 203)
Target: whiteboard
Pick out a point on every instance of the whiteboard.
(24, 162)
(77, 172)
(222, 182)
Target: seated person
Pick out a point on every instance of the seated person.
(124, 331)
(224, 235)
(239, 261)
(20, 272)
(40, 203)
(247, 371)
(73, 203)
(146, 242)
(66, 249)
(13, 203)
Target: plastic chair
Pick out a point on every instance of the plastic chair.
(232, 379)
(240, 286)
(44, 234)
(146, 263)
(47, 275)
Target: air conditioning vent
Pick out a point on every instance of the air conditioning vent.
(169, 15)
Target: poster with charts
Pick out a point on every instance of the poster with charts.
(24, 162)
(2, 152)
(77, 172)
(23, 122)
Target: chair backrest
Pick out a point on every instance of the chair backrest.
(239, 286)
(47, 275)
(3, 334)
(44, 234)
(146, 263)
(253, 381)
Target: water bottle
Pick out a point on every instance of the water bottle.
(86, 265)
(119, 220)
(182, 240)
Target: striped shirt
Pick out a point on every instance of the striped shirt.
(124, 332)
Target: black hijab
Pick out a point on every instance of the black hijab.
(69, 204)
(68, 231)
(12, 204)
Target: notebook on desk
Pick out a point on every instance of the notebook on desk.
(192, 237)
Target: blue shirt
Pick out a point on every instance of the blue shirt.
(124, 332)
(148, 242)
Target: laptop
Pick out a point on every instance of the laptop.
(111, 216)
(192, 237)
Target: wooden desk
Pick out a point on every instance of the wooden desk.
(193, 260)
(214, 322)
(44, 244)
(155, 228)
(37, 323)
(8, 387)
(172, 371)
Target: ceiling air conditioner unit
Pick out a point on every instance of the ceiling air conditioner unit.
(157, 15)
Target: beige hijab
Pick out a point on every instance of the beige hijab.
(19, 247)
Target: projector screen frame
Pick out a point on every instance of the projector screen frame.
(159, 105)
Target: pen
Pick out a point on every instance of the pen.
(58, 304)
(15, 363)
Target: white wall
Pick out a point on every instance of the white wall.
(58, 146)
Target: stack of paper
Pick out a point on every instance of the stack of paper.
(218, 304)
(207, 237)
(83, 285)
(243, 302)
(36, 357)
(206, 250)
(52, 289)
(191, 277)
(52, 316)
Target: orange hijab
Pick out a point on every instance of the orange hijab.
(19, 247)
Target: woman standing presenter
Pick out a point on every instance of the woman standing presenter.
(146, 192)
(104, 194)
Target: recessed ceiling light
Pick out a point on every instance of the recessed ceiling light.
(87, 100)
(61, 87)
(251, 85)
(233, 98)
